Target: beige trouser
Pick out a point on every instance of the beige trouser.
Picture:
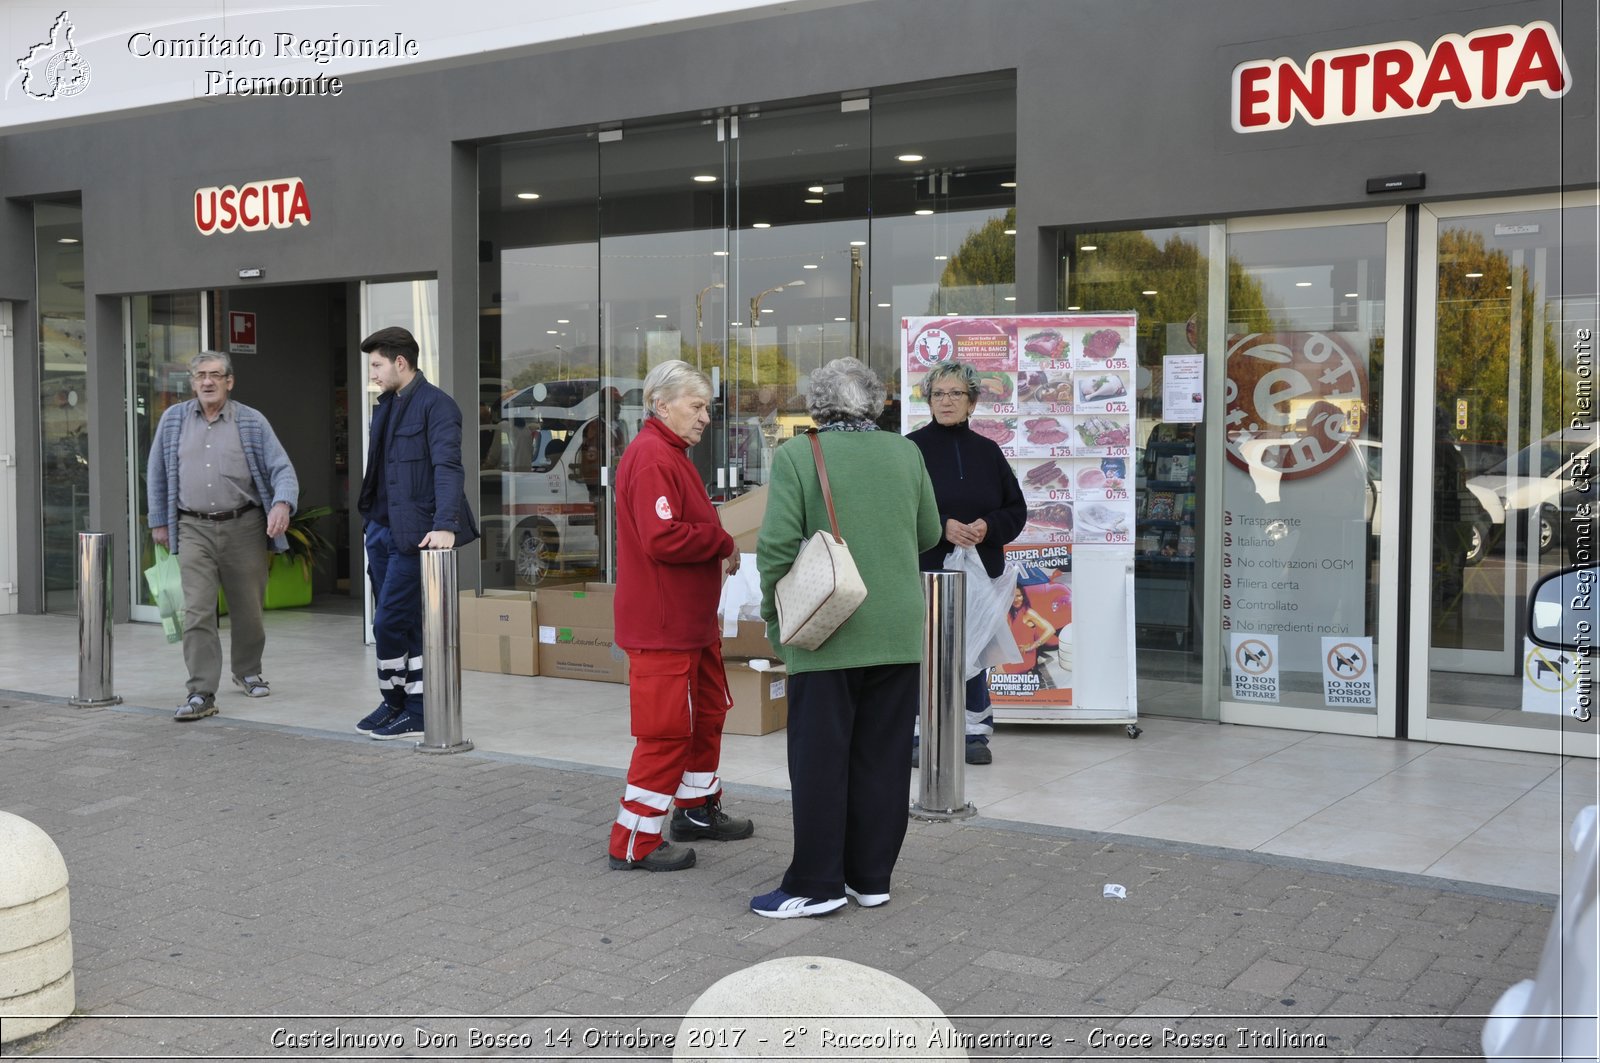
(231, 554)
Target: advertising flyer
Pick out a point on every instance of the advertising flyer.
(1055, 394)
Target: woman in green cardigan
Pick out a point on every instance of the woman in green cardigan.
(852, 701)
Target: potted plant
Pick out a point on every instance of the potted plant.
(289, 578)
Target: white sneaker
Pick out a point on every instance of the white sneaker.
(868, 900)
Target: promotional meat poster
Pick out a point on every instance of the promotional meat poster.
(1056, 395)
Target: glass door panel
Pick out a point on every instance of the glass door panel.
(1303, 552)
(798, 295)
(163, 333)
(1512, 454)
(63, 396)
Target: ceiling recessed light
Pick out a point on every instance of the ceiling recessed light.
(815, 190)
(1074, 308)
(1011, 298)
(1508, 287)
(858, 243)
(761, 225)
(552, 332)
(940, 258)
(1352, 295)
(562, 321)
(810, 265)
(813, 200)
(1302, 284)
(909, 158)
(527, 195)
(67, 240)
(1089, 247)
(838, 319)
(661, 317)
(766, 309)
(704, 178)
(1010, 232)
(1474, 275)
(923, 213)
(1149, 291)
(1008, 184)
(720, 254)
(884, 305)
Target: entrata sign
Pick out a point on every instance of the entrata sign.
(274, 204)
(1485, 68)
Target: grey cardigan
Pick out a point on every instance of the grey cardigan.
(270, 470)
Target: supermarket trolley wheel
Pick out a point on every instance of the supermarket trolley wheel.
(1134, 730)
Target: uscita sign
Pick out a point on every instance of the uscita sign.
(274, 204)
(1484, 68)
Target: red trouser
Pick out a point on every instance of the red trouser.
(678, 700)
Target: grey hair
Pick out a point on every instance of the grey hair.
(845, 390)
(671, 379)
(955, 372)
(211, 356)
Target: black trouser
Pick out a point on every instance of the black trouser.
(850, 776)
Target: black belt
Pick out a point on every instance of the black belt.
(227, 514)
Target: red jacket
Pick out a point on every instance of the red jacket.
(670, 547)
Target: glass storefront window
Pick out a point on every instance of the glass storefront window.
(1165, 275)
(758, 243)
(1514, 459)
(1302, 485)
(63, 396)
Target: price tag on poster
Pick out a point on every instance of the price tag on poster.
(1055, 394)
(1348, 677)
(1253, 660)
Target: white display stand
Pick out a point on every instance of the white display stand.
(1107, 691)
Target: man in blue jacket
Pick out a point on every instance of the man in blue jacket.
(412, 498)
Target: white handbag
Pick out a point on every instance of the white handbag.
(822, 589)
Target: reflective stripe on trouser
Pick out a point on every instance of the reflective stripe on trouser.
(396, 620)
(677, 702)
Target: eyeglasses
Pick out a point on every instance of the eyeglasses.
(946, 396)
(211, 374)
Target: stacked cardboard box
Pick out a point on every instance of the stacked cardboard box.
(577, 637)
(498, 632)
(760, 699)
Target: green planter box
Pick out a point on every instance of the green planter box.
(288, 583)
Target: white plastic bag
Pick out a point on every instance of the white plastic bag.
(741, 596)
(989, 639)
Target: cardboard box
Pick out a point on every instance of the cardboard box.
(499, 632)
(751, 641)
(467, 609)
(760, 700)
(588, 653)
(587, 605)
(741, 518)
(510, 616)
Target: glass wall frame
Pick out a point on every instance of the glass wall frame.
(63, 397)
(1539, 250)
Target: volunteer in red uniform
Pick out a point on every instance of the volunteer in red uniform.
(670, 551)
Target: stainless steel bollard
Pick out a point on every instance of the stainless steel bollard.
(441, 656)
(944, 704)
(94, 621)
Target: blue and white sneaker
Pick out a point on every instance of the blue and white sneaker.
(404, 725)
(375, 719)
(781, 905)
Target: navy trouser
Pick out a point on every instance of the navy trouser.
(396, 619)
(979, 724)
(850, 776)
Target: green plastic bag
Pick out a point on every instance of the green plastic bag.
(165, 580)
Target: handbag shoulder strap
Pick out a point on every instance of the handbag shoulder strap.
(822, 474)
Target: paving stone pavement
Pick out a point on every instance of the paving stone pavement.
(227, 877)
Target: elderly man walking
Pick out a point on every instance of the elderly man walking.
(220, 487)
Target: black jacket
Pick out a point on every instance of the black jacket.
(422, 475)
(971, 479)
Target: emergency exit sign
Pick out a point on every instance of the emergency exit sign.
(241, 332)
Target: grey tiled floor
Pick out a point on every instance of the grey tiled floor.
(1480, 815)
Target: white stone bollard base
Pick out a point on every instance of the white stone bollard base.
(36, 986)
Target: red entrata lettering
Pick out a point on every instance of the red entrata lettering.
(276, 204)
(1347, 65)
(1445, 75)
(1485, 68)
(1538, 63)
(1390, 69)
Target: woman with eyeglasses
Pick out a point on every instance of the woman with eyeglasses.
(980, 505)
